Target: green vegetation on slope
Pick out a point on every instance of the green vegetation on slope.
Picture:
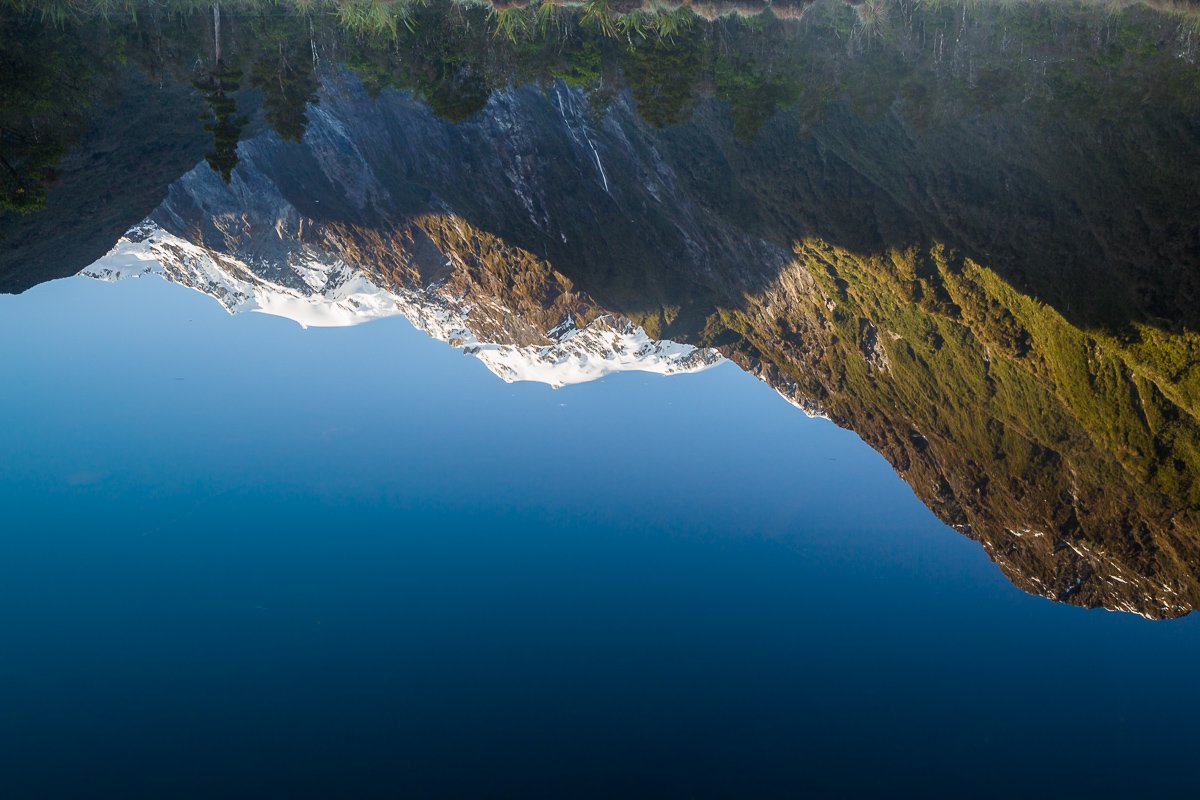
(1003, 415)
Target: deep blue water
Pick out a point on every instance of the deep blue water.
(239, 558)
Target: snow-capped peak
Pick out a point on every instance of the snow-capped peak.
(317, 290)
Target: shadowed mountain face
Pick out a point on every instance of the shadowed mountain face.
(971, 236)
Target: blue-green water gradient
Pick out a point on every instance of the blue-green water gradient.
(239, 558)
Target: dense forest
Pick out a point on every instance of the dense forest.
(260, 58)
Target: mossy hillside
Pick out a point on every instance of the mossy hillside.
(1002, 414)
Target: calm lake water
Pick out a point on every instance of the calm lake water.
(447, 399)
(243, 557)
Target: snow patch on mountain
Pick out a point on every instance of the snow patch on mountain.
(584, 354)
(315, 290)
(810, 408)
(334, 295)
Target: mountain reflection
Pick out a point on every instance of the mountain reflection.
(968, 232)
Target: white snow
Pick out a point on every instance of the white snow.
(335, 295)
(592, 352)
(348, 301)
(812, 410)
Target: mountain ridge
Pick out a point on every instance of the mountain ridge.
(339, 295)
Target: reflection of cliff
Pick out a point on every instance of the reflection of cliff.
(1070, 456)
(977, 243)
